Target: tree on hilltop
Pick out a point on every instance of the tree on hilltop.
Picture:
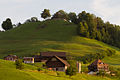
(46, 13)
(61, 15)
(7, 25)
(73, 17)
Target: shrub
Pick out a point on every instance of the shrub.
(39, 69)
(19, 64)
(101, 73)
(71, 71)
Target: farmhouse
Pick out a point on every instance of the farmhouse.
(98, 65)
(57, 64)
(11, 58)
(44, 56)
(28, 59)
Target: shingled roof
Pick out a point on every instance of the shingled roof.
(61, 60)
(98, 61)
(60, 54)
(14, 56)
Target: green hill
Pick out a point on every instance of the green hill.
(53, 35)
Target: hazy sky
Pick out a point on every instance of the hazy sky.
(20, 10)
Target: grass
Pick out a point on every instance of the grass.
(55, 35)
(9, 72)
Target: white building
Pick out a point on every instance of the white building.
(28, 59)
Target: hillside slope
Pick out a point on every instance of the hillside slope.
(54, 35)
(9, 72)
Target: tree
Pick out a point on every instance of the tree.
(71, 71)
(7, 25)
(61, 14)
(73, 17)
(86, 32)
(82, 30)
(19, 64)
(82, 16)
(98, 36)
(46, 13)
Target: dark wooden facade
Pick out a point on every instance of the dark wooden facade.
(97, 66)
(11, 58)
(57, 64)
(44, 56)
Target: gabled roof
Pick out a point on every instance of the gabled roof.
(96, 62)
(61, 60)
(50, 54)
(14, 56)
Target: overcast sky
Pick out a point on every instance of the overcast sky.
(20, 10)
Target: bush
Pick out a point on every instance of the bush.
(71, 71)
(39, 69)
(101, 73)
(19, 64)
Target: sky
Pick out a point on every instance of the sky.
(21, 10)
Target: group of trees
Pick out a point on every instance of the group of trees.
(94, 27)
(91, 57)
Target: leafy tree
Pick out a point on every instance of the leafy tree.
(71, 71)
(86, 32)
(98, 36)
(61, 15)
(73, 17)
(7, 25)
(81, 29)
(82, 16)
(19, 64)
(46, 13)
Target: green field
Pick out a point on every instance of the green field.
(9, 72)
(54, 35)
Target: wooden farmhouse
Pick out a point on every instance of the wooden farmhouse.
(97, 66)
(44, 56)
(11, 58)
(28, 59)
(57, 64)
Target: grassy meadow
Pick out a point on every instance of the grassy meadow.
(54, 35)
(8, 71)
